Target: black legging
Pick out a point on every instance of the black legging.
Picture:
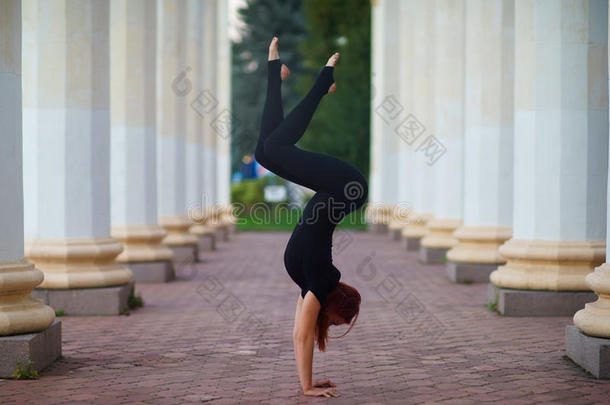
(340, 188)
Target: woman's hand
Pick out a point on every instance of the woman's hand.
(324, 383)
(321, 392)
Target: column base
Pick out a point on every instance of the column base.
(590, 353)
(377, 228)
(152, 272)
(222, 233)
(185, 254)
(411, 243)
(511, 302)
(41, 348)
(395, 233)
(432, 255)
(87, 301)
(207, 243)
(468, 273)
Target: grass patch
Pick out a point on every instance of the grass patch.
(134, 302)
(60, 312)
(281, 218)
(25, 371)
(493, 305)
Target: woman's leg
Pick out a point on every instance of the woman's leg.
(315, 170)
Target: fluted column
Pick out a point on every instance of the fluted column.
(588, 340)
(172, 107)
(594, 319)
(374, 207)
(28, 329)
(561, 150)
(389, 107)
(197, 63)
(207, 103)
(66, 117)
(448, 72)
(488, 155)
(133, 140)
(421, 123)
(222, 122)
(19, 312)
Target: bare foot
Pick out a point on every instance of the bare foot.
(274, 55)
(332, 61)
(285, 72)
(273, 52)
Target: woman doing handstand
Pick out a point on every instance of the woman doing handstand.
(340, 189)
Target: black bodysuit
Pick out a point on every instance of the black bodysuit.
(340, 188)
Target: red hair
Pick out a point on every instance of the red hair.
(343, 301)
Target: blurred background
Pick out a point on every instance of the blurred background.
(309, 32)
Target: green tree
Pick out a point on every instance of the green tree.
(341, 124)
(262, 20)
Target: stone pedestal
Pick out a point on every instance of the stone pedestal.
(591, 353)
(87, 301)
(438, 240)
(206, 236)
(149, 260)
(415, 230)
(153, 272)
(411, 244)
(182, 243)
(477, 253)
(41, 348)
(511, 302)
(469, 273)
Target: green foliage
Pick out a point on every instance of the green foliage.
(262, 19)
(59, 312)
(134, 302)
(25, 371)
(341, 126)
(252, 191)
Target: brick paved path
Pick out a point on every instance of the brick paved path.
(419, 339)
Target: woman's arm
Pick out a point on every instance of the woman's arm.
(303, 339)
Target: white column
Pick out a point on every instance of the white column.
(594, 319)
(448, 71)
(19, 312)
(375, 203)
(222, 122)
(194, 123)
(66, 133)
(133, 147)
(389, 107)
(206, 105)
(404, 189)
(173, 85)
(488, 152)
(561, 146)
(421, 122)
(209, 104)
(202, 61)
